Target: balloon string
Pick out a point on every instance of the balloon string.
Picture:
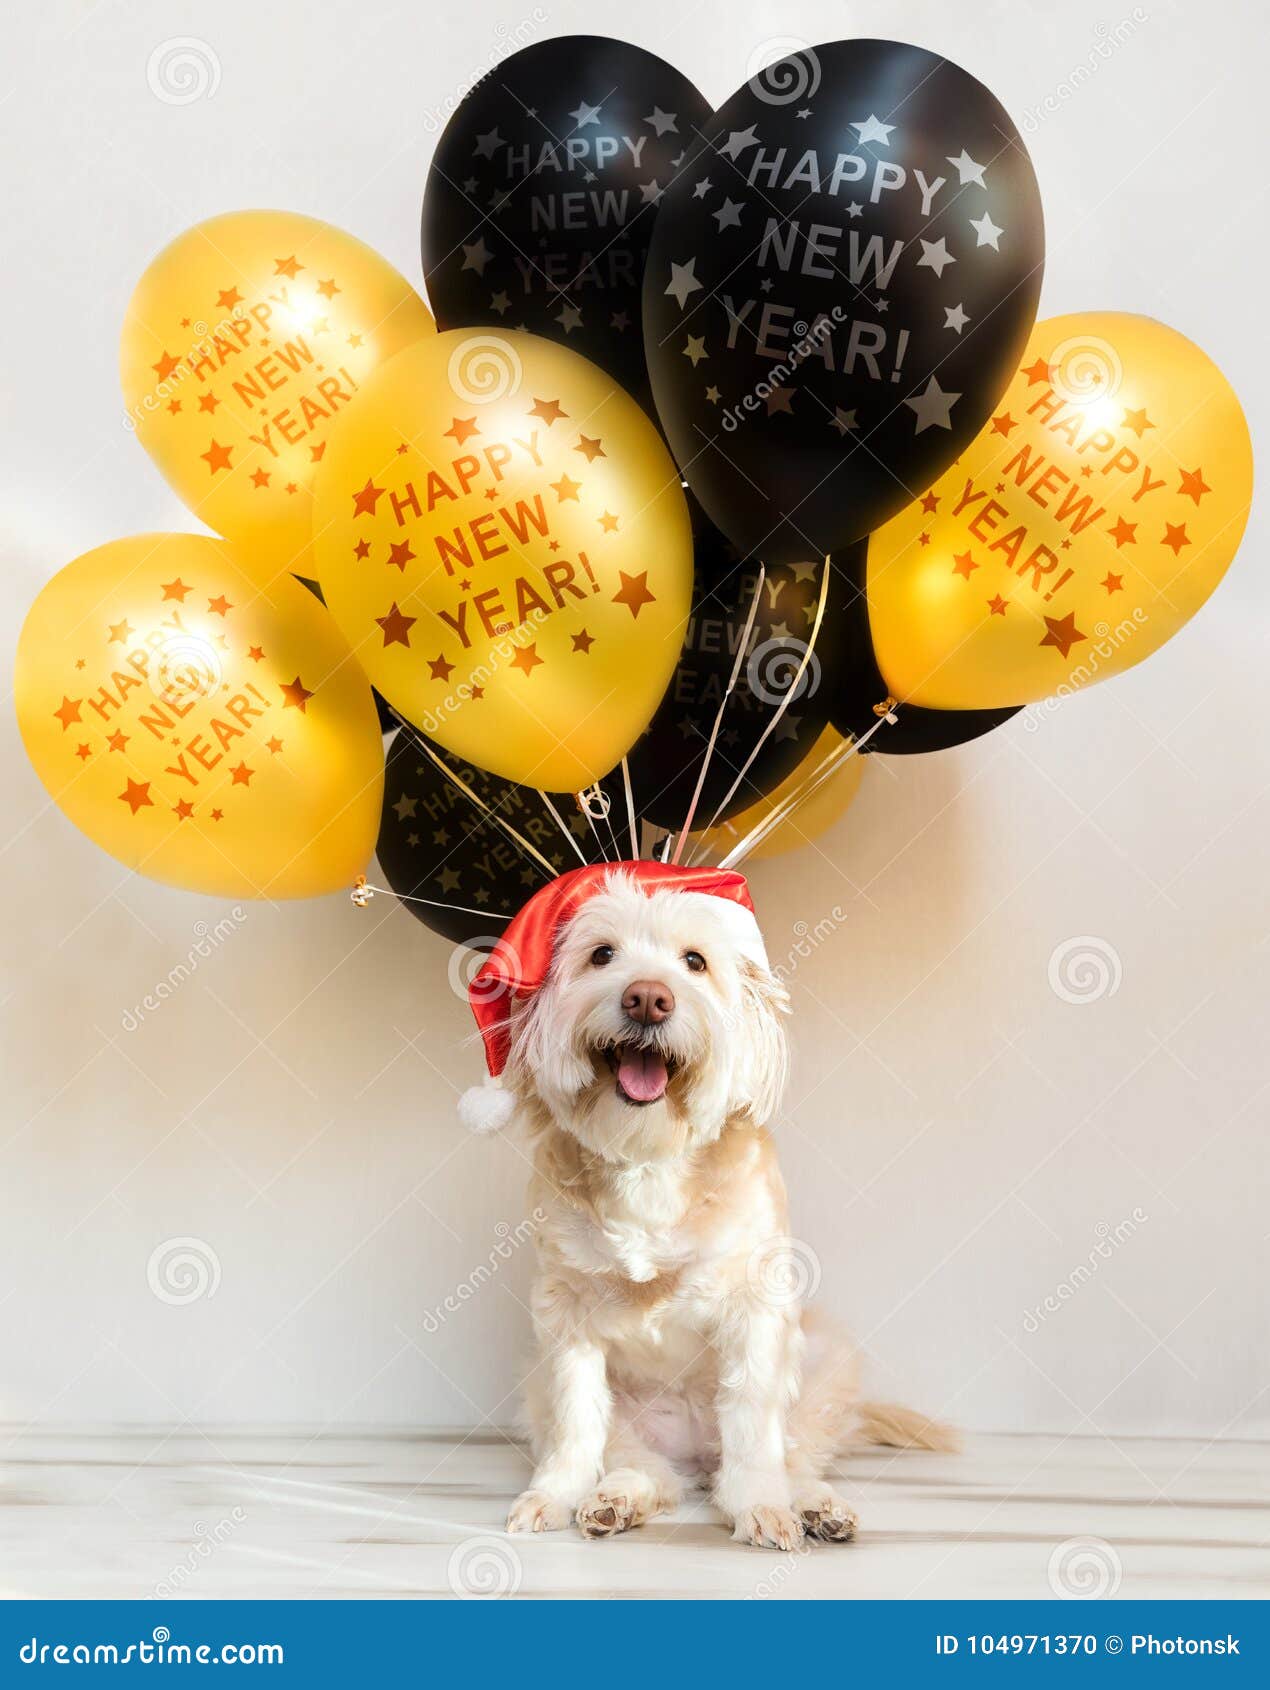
(630, 810)
(363, 891)
(607, 817)
(718, 715)
(486, 809)
(472, 797)
(581, 802)
(791, 693)
(564, 828)
(825, 769)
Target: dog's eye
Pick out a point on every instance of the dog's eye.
(602, 955)
(695, 961)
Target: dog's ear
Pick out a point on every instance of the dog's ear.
(763, 1068)
(542, 1053)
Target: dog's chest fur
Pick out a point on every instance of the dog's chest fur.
(634, 1225)
(652, 1249)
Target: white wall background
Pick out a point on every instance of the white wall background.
(957, 1136)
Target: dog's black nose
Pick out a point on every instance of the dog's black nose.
(648, 1002)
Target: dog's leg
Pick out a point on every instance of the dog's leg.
(638, 1483)
(757, 1377)
(572, 1415)
(824, 1514)
(816, 1431)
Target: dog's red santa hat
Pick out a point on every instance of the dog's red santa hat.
(519, 963)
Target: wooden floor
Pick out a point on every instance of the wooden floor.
(218, 1513)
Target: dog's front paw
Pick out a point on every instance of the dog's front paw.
(606, 1512)
(768, 1527)
(535, 1511)
(825, 1515)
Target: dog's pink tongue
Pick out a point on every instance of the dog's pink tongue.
(642, 1075)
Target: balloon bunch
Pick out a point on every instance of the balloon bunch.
(735, 451)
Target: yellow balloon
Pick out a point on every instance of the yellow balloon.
(246, 340)
(502, 536)
(201, 718)
(1082, 528)
(814, 816)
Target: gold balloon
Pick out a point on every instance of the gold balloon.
(812, 817)
(246, 340)
(502, 536)
(201, 718)
(1082, 528)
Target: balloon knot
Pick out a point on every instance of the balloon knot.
(886, 710)
(361, 893)
(594, 802)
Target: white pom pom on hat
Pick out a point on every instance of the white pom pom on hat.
(487, 1108)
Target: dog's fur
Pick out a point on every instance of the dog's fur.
(671, 1338)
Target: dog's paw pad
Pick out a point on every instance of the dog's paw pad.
(604, 1514)
(831, 1522)
(769, 1528)
(824, 1514)
(535, 1511)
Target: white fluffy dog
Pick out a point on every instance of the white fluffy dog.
(666, 1305)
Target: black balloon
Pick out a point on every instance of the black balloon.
(542, 195)
(664, 764)
(435, 844)
(837, 291)
(856, 684)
